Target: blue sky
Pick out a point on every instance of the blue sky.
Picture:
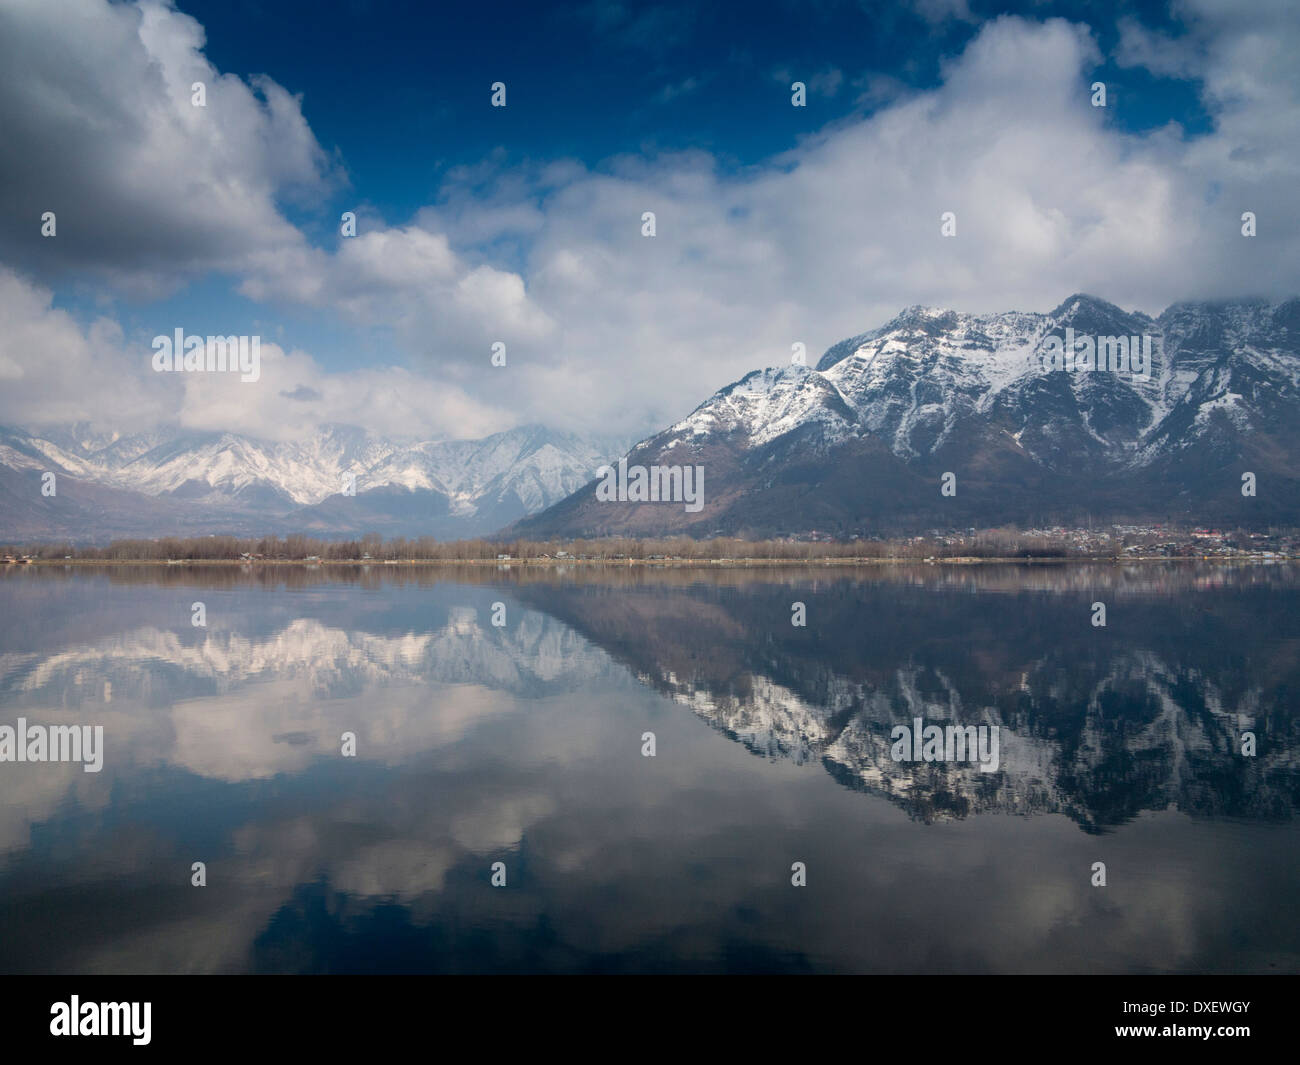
(598, 79)
(521, 224)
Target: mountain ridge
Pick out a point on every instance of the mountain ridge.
(170, 481)
(859, 443)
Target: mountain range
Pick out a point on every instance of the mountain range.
(173, 482)
(861, 443)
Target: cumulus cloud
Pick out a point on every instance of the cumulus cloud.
(54, 371)
(607, 327)
(1159, 53)
(406, 277)
(832, 237)
(294, 396)
(147, 189)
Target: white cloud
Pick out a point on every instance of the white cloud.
(1158, 52)
(148, 189)
(55, 372)
(387, 398)
(607, 328)
(831, 238)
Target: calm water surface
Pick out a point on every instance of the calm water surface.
(521, 744)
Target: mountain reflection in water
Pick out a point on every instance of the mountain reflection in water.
(522, 744)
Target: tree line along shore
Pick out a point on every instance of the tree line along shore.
(972, 545)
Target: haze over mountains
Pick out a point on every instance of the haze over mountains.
(855, 446)
(171, 482)
(859, 444)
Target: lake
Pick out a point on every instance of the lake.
(773, 829)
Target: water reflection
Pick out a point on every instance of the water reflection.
(521, 743)
(1097, 723)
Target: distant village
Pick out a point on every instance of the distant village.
(1126, 541)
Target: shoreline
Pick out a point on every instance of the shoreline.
(676, 563)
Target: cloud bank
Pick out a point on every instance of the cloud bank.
(604, 326)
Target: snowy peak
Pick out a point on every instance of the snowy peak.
(766, 404)
(927, 374)
(532, 466)
(444, 488)
(1085, 313)
(1148, 416)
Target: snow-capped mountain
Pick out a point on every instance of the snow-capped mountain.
(860, 443)
(174, 481)
(1098, 729)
